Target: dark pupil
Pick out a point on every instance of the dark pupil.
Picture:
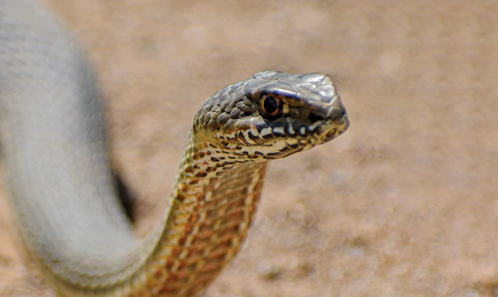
(270, 105)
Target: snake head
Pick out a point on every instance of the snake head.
(272, 115)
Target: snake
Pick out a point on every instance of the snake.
(54, 145)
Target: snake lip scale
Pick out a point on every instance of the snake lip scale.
(61, 187)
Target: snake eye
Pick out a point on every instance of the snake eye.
(269, 105)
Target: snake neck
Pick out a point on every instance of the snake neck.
(213, 207)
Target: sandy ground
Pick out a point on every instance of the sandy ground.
(404, 204)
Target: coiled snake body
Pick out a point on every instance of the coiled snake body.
(61, 187)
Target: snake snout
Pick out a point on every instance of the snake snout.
(330, 112)
(337, 111)
(335, 121)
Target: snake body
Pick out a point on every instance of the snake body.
(54, 145)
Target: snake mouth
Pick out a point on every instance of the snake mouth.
(329, 120)
(306, 137)
(333, 128)
(318, 133)
(282, 137)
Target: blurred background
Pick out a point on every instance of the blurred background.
(403, 204)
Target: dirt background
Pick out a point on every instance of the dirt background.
(404, 204)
